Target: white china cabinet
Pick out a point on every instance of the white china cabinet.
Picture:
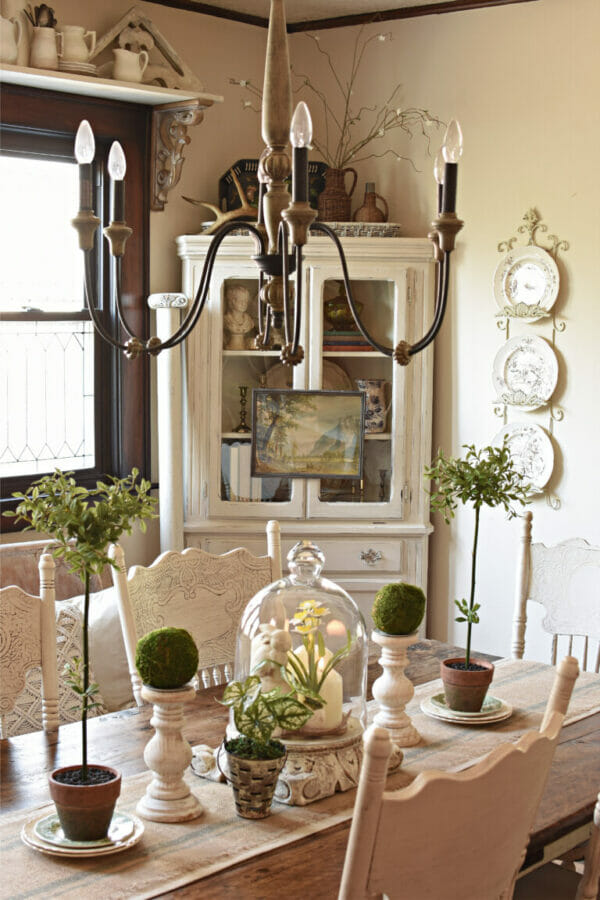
(372, 531)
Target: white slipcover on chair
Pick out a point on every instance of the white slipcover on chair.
(199, 591)
(451, 836)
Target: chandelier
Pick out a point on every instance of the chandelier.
(281, 230)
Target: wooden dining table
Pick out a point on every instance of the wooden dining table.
(290, 871)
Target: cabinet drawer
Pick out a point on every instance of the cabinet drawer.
(360, 555)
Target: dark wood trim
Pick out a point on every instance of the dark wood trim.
(123, 415)
(383, 15)
(389, 15)
(218, 12)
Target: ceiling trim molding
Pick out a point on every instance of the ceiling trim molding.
(384, 15)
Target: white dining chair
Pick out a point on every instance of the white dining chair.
(28, 666)
(565, 580)
(199, 591)
(451, 835)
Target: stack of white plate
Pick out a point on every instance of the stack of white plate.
(493, 710)
(46, 835)
(77, 68)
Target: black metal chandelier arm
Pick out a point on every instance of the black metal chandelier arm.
(197, 306)
(440, 305)
(98, 324)
(117, 275)
(325, 229)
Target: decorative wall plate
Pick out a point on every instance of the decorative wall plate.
(526, 283)
(531, 450)
(525, 372)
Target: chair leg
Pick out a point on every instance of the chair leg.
(589, 886)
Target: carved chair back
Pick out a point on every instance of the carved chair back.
(565, 579)
(28, 645)
(199, 591)
(453, 835)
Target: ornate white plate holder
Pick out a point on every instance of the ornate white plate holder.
(515, 309)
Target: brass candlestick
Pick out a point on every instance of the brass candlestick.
(243, 427)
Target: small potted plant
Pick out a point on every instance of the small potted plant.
(486, 477)
(255, 759)
(397, 612)
(83, 522)
(167, 661)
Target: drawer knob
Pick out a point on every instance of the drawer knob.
(370, 557)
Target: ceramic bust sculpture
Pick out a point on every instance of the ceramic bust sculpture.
(238, 323)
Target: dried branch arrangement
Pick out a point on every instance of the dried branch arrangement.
(353, 135)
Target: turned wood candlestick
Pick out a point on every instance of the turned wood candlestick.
(393, 690)
(167, 755)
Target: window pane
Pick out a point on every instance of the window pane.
(42, 265)
(46, 397)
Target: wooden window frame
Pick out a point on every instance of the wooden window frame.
(123, 409)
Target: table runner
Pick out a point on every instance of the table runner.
(169, 856)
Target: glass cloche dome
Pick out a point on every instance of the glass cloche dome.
(305, 634)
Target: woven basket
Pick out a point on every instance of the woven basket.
(253, 782)
(334, 202)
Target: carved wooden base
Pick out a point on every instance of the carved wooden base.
(167, 755)
(393, 690)
(314, 769)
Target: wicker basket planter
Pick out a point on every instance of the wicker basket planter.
(253, 782)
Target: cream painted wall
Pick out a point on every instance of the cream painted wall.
(523, 80)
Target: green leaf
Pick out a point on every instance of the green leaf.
(289, 713)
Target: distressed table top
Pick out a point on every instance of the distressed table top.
(118, 739)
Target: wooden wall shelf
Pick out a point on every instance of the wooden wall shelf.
(174, 111)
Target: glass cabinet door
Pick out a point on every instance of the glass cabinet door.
(342, 360)
(237, 369)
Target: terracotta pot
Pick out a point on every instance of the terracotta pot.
(466, 690)
(85, 810)
(334, 202)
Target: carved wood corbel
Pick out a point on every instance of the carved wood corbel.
(170, 123)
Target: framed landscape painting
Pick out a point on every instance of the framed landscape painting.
(307, 434)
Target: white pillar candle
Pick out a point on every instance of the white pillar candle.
(330, 716)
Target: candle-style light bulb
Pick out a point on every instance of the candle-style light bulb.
(117, 164)
(301, 129)
(85, 146)
(438, 167)
(452, 147)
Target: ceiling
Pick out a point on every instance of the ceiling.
(304, 14)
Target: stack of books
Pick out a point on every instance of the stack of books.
(344, 340)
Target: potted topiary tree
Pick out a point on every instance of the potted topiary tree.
(84, 522)
(397, 612)
(486, 477)
(254, 758)
(167, 660)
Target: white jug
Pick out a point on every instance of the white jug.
(11, 33)
(129, 66)
(44, 53)
(75, 44)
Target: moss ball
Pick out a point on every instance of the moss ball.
(398, 608)
(166, 658)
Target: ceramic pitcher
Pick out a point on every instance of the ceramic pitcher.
(75, 43)
(129, 66)
(44, 52)
(10, 38)
(376, 409)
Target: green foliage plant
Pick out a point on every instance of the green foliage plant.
(398, 608)
(306, 679)
(166, 658)
(256, 715)
(485, 477)
(84, 522)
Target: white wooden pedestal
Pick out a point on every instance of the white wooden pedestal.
(167, 755)
(393, 689)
